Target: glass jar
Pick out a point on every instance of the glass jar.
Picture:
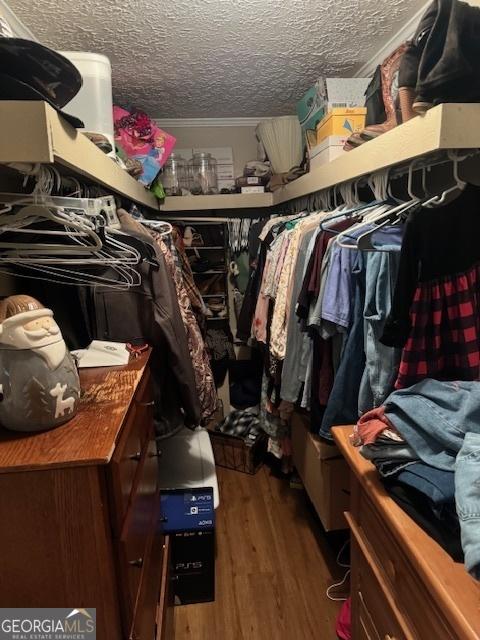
(174, 176)
(202, 170)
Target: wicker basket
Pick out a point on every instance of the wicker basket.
(236, 453)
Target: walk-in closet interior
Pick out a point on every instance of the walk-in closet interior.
(239, 320)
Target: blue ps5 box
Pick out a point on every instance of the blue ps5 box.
(188, 516)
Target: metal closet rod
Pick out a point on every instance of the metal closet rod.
(201, 220)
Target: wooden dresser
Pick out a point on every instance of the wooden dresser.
(79, 511)
(403, 585)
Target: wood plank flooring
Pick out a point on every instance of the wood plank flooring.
(274, 563)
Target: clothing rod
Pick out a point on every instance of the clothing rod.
(201, 220)
(311, 202)
(419, 163)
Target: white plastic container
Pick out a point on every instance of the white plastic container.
(93, 103)
(188, 462)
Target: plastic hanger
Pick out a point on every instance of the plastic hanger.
(385, 214)
(458, 186)
(378, 185)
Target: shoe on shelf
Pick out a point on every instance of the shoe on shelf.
(409, 66)
(217, 308)
(211, 285)
(389, 72)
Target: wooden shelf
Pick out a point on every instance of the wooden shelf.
(33, 132)
(447, 126)
(220, 201)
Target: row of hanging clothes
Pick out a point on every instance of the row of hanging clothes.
(108, 274)
(353, 301)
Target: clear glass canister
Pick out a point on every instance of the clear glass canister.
(174, 176)
(202, 169)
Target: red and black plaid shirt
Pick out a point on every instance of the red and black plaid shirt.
(444, 341)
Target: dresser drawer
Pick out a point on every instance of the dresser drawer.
(138, 527)
(378, 614)
(427, 620)
(366, 629)
(153, 617)
(126, 459)
(325, 475)
(165, 607)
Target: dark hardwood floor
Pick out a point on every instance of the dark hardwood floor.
(274, 564)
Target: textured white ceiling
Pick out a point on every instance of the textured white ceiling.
(218, 58)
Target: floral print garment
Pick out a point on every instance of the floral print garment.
(204, 382)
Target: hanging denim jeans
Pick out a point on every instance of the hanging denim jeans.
(342, 407)
(381, 362)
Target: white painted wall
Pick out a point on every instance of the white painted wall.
(241, 138)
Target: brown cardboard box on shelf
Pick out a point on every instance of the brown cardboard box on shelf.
(324, 472)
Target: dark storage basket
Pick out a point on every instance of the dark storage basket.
(235, 453)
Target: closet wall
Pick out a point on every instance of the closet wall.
(240, 137)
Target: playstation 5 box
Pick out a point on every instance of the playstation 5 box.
(188, 516)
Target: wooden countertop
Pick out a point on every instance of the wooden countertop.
(87, 439)
(448, 581)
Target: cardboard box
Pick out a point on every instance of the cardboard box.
(188, 515)
(253, 189)
(193, 566)
(341, 122)
(324, 473)
(329, 149)
(325, 95)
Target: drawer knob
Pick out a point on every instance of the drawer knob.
(136, 563)
(135, 456)
(150, 403)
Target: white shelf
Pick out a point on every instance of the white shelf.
(32, 132)
(447, 126)
(220, 201)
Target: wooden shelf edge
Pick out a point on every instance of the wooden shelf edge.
(446, 126)
(34, 132)
(220, 201)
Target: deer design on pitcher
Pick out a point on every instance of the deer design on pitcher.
(62, 405)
